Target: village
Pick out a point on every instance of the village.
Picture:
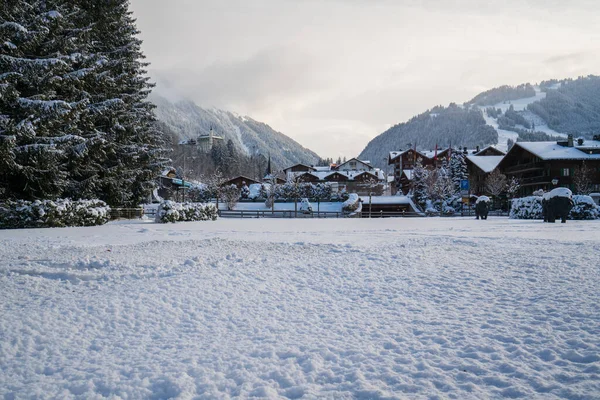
(300, 190)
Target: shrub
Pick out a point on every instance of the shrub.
(531, 208)
(53, 213)
(352, 203)
(170, 211)
(526, 208)
(584, 208)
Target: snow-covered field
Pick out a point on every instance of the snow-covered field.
(349, 308)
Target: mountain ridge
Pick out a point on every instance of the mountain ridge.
(187, 121)
(545, 111)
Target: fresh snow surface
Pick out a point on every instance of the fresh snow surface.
(559, 192)
(430, 308)
(482, 198)
(486, 163)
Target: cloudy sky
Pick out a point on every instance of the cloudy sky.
(333, 74)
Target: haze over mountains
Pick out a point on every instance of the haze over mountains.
(250, 137)
(497, 116)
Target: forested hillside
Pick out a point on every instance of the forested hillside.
(247, 137)
(441, 125)
(503, 93)
(547, 111)
(571, 106)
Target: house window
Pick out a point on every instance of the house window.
(565, 172)
(353, 164)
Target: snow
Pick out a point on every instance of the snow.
(387, 308)
(486, 163)
(519, 105)
(482, 198)
(503, 135)
(554, 151)
(558, 192)
(288, 206)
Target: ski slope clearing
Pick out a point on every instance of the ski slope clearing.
(340, 309)
(520, 105)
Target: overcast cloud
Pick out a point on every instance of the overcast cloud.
(333, 74)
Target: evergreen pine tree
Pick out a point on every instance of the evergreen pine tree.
(420, 177)
(124, 149)
(458, 169)
(74, 120)
(39, 113)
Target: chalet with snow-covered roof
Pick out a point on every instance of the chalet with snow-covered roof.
(356, 176)
(239, 181)
(536, 164)
(479, 165)
(405, 160)
(354, 164)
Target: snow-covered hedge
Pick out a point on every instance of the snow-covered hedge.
(531, 208)
(170, 211)
(526, 208)
(584, 208)
(352, 203)
(53, 213)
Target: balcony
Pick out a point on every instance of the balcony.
(535, 180)
(520, 168)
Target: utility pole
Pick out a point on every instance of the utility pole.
(183, 177)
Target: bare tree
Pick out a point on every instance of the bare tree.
(495, 183)
(213, 183)
(231, 195)
(512, 187)
(582, 178)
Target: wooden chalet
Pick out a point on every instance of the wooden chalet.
(354, 175)
(536, 164)
(479, 165)
(239, 181)
(404, 161)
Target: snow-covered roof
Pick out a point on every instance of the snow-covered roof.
(485, 163)
(299, 165)
(366, 163)
(387, 199)
(489, 147)
(554, 151)
(432, 153)
(408, 173)
(394, 154)
(350, 174)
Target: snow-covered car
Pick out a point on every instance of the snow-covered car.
(305, 206)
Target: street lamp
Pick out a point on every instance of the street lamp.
(554, 181)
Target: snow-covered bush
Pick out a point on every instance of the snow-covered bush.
(245, 193)
(230, 194)
(526, 208)
(531, 208)
(584, 208)
(53, 213)
(199, 193)
(352, 203)
(170, 211)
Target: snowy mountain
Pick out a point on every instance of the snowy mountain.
(497, 116)
(250, 137)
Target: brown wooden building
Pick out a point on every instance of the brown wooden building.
(536, 164)
(239, 181)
